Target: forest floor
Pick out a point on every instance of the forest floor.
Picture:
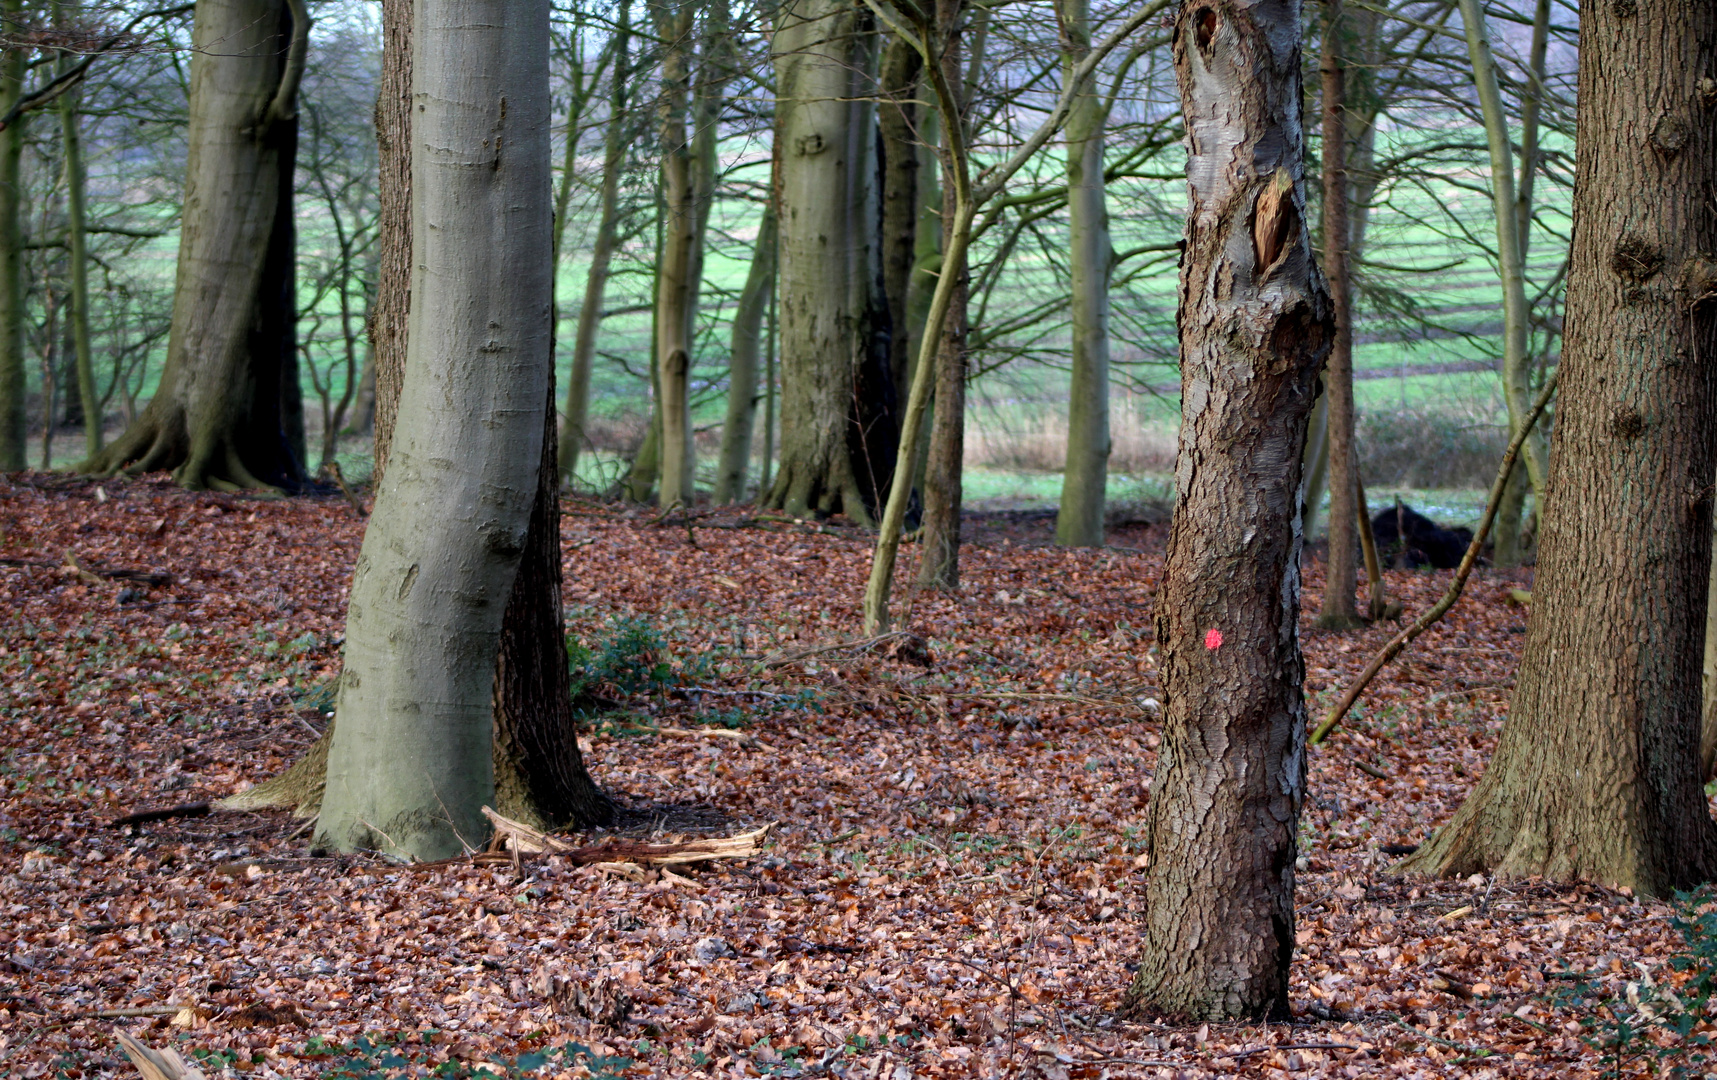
(953, 886)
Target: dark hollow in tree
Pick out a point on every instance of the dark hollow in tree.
(1596, 773)
(1255, 323)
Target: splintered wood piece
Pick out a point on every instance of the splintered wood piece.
(163, 1064)
(522, 838)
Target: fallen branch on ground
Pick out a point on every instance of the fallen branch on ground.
(861, 645)
(525, 840)
(143, 816)
(1468, 561)
(743, 738)
(163, 1064)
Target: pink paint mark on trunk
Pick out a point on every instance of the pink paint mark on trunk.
(1213, 639)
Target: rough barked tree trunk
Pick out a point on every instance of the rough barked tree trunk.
(838, 416)
(944, 463)
(676, 281)
(601, 252)
(1341, 569)
(540, 776)
(393, 226)
(411, 763)
(734, 464)
(1596, 773)
(13, 422)
(1084, 481)
(897, 119)
(223, 412)
(1255, 324)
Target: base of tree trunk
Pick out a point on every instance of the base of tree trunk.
(161, 439)
(299, 789)
(1340, 623)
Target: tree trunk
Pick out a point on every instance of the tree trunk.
(1340, 571)
(897, 121)
(14, 424)
(1255, 324)
(1511, 260)
(224, 412)
(77, 254)
(641, 480)
(1596, 773)
(1314, 464)
(540, 776)
(1085, 479)
(601, 253)
(392, 305)
(676, 285)
(735, 460)
(838, 434)
(939, 559)
(411, 763)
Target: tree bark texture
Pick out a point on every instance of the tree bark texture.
(392, 304)
(1341, 570)
(539, 772)
(1085, 478)
(13, 422)
(838, 414)
(601, 253)
(1255, 325)
(1596, 773)
(411, 763)
(222, 414)
(734, 464)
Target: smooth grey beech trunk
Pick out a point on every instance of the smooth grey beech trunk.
(1255, 324)
(12, 419)
(410, 766)
(228, 393)
(1084, 481)
(837, 403)
(734, 463)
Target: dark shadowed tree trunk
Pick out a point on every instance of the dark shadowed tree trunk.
(897, 118)
(1255, 325)
(1596, 774)
(13, 422)
(228, 401)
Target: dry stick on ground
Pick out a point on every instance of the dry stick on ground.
(1422, 623)
(163, 1064)
(523, 838)
(860, 645)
